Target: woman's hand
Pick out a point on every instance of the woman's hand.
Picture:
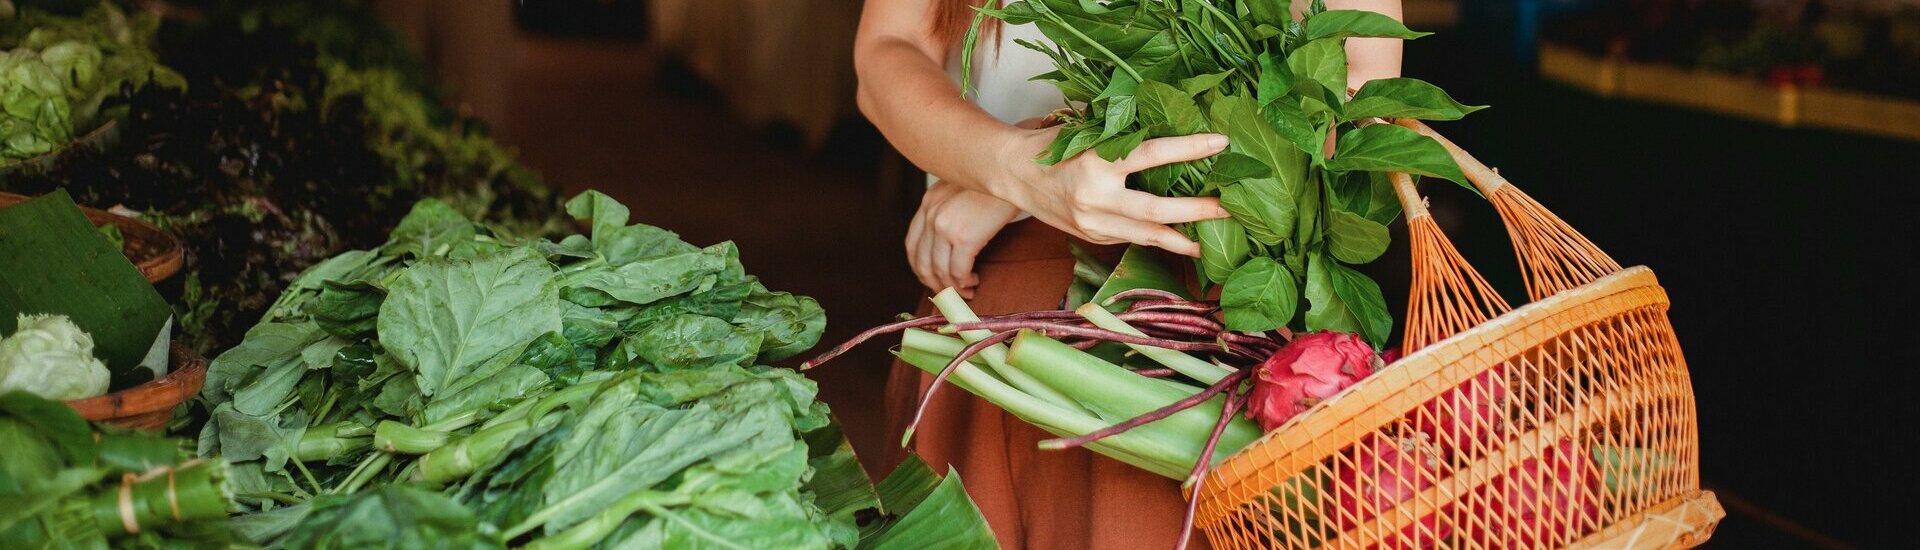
(1087, 196)
(951, 228)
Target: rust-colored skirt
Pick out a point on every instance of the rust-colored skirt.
(1033, 499)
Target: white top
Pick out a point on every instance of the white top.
(1002, 74)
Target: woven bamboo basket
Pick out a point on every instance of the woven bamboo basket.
(148, 406)
(156, 253)
(1567, 422)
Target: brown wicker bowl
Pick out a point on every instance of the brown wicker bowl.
(148, 406)
(157, 253)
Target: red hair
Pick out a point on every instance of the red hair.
(952, 17)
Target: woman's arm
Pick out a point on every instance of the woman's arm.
(906, 92)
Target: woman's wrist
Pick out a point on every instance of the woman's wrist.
(1012, 166)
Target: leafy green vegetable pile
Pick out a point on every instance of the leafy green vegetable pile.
(56, 71)
(65, 485)
(281, 155)
(555, 394)
(1277, 88)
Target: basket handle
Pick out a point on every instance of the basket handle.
(1484, 178)
(1446, 295)
(1553, 256)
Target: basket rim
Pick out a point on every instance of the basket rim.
(188, 374)
(169, 253)
(1228, 490)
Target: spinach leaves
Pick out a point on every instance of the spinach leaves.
(465, 388)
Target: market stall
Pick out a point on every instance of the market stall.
(260, 286)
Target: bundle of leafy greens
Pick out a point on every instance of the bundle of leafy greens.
(64, 484)
(1277, 87)
(278, 157)
(456, 384)
(56, 71)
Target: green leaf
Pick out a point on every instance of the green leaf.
(1230, 167)
(1353, 302)
(1354, 239)
(1119, 115)
(1288, 119)
(1119, 147)
(1262, 295)
(1167, 111)
(1389, 148)
(1138, 268)
(1276, 80)
(1326, 310)
(694, 342)
(787, 324)
(1357, 23)
(1263, 207)
(347, 309)
(432, 228)
(1223, 247)
(646, 281)
(1405, 98)
(618, 242)
(442, 317)
(1248, 133)
(481, 390)
(393, 516)
(1369, 194)
(1320, 61)
(1195, 85)
(932, 512)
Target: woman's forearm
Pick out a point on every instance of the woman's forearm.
(920, 110)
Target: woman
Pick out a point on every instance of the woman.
(997, 226)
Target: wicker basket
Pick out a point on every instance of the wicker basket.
(157, 253)
(148, 406)
(1568, 422)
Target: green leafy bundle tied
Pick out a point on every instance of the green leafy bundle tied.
(1277, 87)
(64, 484)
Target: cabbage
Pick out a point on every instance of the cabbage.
(51, 357)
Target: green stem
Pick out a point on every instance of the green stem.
(1192, 367)
(1117, 61)
(1153, 448)
(1117, 394)
(955, 309)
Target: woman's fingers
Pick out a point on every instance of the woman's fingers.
(1161, 236)
(1169, 150)
(1148, 207)
(960, 268)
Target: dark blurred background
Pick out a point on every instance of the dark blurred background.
(1777, 224)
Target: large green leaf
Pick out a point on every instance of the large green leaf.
(694, 342)
(1260, 296)
(1166, 111)
(1321, 61)
(1389, 148)
(928, 512)
(787, 324)
(1327, 311)
(1405, 98)
(1354, 239)
(648, 280)
(1263, 207)
(443, 316)
(431, 228)
(1223, 247)
(1363, 300)
(1248, 133)
(1357, 23)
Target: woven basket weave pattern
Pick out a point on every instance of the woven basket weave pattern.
(1568, 422)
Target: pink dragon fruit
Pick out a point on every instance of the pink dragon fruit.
(1305, 371)
(1539, 508)
(1387, 471)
